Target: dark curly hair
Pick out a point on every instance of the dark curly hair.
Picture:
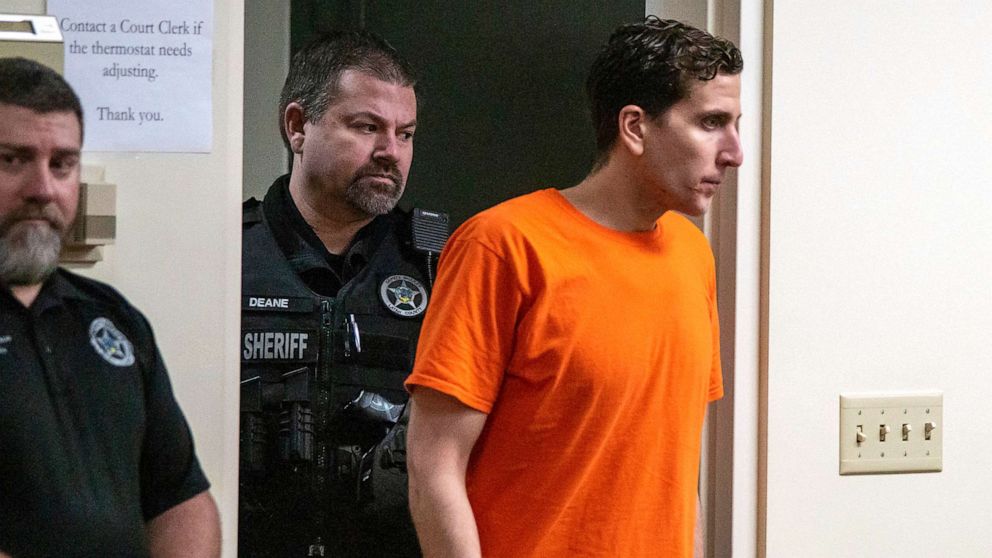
(315, 70)
(27, 84)
(652, 64)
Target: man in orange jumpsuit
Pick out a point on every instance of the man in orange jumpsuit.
(566, 362)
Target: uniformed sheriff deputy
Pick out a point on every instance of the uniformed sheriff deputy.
(335, 282)
(96, 458)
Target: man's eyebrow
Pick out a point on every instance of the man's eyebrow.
(376, 117)
(23, 150)
(718, 113)
(18, 148)
(61, 153)
(365, 114)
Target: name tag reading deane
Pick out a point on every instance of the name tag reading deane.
(277, 303)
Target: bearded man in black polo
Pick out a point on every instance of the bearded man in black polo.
(96, 458)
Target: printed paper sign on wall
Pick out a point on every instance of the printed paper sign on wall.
(142, 70)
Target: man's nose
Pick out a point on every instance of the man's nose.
(386, 148)
(41, 184)
(732, 153)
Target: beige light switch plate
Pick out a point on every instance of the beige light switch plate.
(899, 433)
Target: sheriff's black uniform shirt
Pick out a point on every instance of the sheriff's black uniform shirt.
(278, 511)
(92, 442)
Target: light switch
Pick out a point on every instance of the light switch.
(863, 414)
(883, 431)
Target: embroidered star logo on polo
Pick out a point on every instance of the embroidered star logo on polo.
(110, 343)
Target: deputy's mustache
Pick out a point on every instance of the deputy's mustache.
(392, 172)
(32, 211)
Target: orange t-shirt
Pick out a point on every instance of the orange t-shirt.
(594, 352)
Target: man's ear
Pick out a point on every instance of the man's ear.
(292, 123)
(630, 134)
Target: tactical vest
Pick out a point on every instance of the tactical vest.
(322, 436)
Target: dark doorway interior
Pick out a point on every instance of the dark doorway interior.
(502, 108)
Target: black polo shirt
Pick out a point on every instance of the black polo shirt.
(92, 442)
(325, 273)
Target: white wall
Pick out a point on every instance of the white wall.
(880, 268)
(177, 257)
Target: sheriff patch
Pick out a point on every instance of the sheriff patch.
(403, 295)
(278, 346)
(112, 345)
